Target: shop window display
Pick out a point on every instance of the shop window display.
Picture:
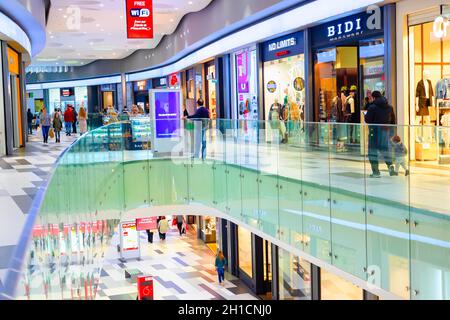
(294, 277)
(285, 96)
(344, 79)
(245, 251)
(430, 93)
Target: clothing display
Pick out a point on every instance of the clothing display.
(424, 92)
(445, 131)
(443, 89)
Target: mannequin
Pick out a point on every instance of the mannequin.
(424, 97)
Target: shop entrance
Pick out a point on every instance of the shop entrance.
(16, 111)
(108, 99)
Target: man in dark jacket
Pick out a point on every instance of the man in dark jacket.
(202, 114)
(30, 121)
(381, 119)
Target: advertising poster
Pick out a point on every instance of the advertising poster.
(140, 19)
(167, 114)
(147, 224)
(242, 70)
(130, 237)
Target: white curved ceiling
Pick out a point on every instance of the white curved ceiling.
(102, 31)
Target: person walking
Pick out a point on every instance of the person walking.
(68, 120)
(75, 120)
(380, 116)
(46, 122)
(163, 228)
(82, 121)
(149, 236)
(57, 126)
(202, 114)
(30, 121)
(180, 220)
(221, 264)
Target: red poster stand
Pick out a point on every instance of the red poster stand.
(145, 288)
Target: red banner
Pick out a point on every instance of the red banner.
(140, 19)
(147, 224)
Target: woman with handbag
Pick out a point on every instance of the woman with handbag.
(46, 122)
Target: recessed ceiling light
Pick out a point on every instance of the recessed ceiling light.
(97, 25)
(65, 16)
(102, 30)
(190, 2)
(60, 9)
(171, 20)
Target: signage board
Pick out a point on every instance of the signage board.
(351, 28)
(147, 224)
(139, 19)
(242, 72)
(145, 288)
(67, 92)
(130, 236)
(286, 46)
(167, 114)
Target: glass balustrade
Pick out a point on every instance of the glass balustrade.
(309, 185)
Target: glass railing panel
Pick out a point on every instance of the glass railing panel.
(217, 149)
(316, 190)
(233, 169)
(271, 137)
(247, 143)
(201, 183)
(160, 186)
(388, 214)
(290, 186)
(348, 203)
(430, 209)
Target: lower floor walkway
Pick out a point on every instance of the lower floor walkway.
(182, 269)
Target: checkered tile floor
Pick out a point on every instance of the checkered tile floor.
(21, 174)
(182, 268)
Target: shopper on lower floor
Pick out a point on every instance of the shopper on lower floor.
(75, 120)
(163, 228)
(46, 122)
(30, 121)
(82, 121)
(381, 119)
(68, 120)
(400, 152)
(221, 264)
(149, 236)
(180, 220)
(57, 126)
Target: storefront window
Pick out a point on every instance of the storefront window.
(81, 97)
(208, 229)
(334, 287)
(246, 85)
(245, 251)
(430, 92)
(54, 99)
(212, 101)
(294, 277)
(284, 87)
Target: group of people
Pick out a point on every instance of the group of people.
(383, 139)
(52, 125)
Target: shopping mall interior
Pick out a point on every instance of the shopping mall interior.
(251, 150)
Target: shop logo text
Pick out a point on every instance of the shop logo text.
(353, 28)
(282, 44)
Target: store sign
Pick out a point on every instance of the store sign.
(147, 224)
(242, 72)
(67, 92)
(358, 26)
(174, 80)
(282, 44)
(140, 19)
(289, 45)
(130, 237)
(440, 27)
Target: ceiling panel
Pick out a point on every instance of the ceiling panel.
(101, 33)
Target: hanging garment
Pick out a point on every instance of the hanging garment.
(443, 89)
(424, 97)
